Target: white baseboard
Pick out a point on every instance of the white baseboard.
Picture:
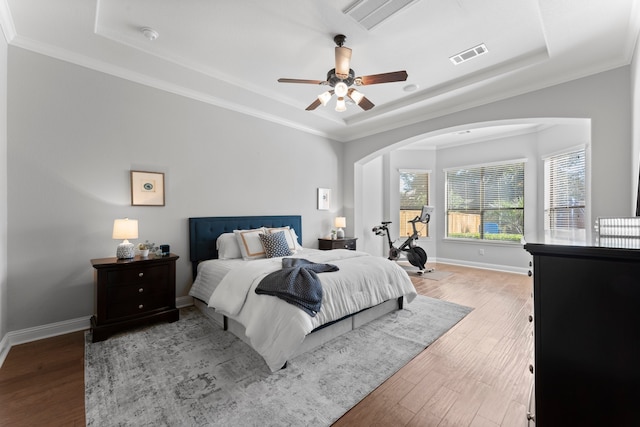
(185, 301)
(484, 266)
(59, 328)
(4, 349)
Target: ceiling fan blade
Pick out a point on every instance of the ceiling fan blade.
(311, 82)
(343, 60)
(396, 76)
(315, 104)
(365, 104)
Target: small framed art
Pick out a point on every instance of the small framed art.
(147, 188)
(324, 199)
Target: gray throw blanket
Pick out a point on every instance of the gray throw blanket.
(297, 283)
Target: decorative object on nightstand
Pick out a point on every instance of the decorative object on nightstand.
(145, 248)
(325, 244)
(125, 229)
(340, 223)
(133, 292)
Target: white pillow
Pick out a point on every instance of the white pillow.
(250, 244)
(290, 235)
(227, 246)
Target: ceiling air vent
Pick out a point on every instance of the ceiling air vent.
(468, 54)
(370, 13)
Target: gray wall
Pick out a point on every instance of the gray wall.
(605, 99)
(74, 135)
(3, 189)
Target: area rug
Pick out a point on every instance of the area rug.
(192, 373)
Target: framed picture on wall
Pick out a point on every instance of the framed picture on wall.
(324, 199)
(147, 188)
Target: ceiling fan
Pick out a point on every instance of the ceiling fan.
(341, 78)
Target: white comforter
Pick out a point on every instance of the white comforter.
(276, 328)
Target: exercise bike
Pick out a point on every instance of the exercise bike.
(415, 254)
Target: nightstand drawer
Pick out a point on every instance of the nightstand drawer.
(134, 307)
(346, 243)
(139, 274)
(116, 294)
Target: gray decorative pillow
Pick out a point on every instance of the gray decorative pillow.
(275, 244)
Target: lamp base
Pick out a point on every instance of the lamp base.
(340, 233)
(125, 251)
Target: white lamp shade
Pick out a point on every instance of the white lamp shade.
(356, 96)
(125, 229)
(324, 97)
(340, 222)
(341, 105)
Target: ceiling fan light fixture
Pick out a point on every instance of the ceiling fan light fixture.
(341, 105)
(324, 98)
(356, 96)
(341, 89)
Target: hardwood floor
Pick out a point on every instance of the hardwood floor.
(474, 375)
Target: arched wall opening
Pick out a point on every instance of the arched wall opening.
(377, 181)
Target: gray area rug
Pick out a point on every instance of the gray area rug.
(192, 373)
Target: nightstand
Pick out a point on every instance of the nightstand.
(133, 292)
(346, 243)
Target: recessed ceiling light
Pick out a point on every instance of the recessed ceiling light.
(149, 33)
(410, 88)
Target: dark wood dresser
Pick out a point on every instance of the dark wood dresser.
(345, 243)
(587, 335)
(133, 292)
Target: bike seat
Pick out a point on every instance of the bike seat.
(386, 222)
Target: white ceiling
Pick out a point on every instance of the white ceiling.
(231, 53)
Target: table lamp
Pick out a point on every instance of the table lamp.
(339, 223)
(125, 229)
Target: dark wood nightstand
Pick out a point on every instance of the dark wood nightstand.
(346, 243)
(133, 292)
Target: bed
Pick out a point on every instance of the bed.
(225, 281)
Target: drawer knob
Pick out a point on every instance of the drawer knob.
(141, 290)
(142, 306)
(530, 318)
(529, 273)
(140, 274)
(531, 368)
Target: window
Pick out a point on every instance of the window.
(414, 194)
(486, 202)
(564, 196)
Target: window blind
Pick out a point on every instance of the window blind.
(414, 194)
(565, 190)
(486, 202)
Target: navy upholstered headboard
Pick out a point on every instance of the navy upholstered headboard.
(204, 231)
